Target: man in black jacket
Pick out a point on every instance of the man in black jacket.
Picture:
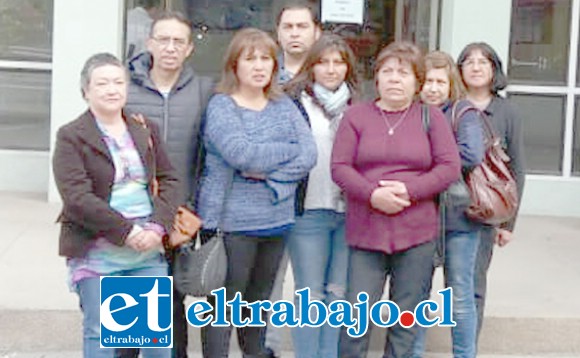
(171, 94)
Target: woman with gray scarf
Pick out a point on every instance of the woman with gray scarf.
(324, 87)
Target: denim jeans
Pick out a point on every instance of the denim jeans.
(460, 255)
(89, 293)
(252, 266)
(180, 324)
(482, 262)
(410, 282)
(319, 257)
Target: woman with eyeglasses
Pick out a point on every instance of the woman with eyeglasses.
(481, 71)
(113, 221)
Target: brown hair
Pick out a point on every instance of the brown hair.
(499, 80)
(304, 79)
(405, 52)
(439, 59)
(248, 38)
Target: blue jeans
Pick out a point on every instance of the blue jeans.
(460, 256)
(410, 282)
(89, 294)
(482, 262)
(319, 257)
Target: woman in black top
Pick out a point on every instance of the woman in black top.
(481, 70)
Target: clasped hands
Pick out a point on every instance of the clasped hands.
(144, 240)
(391, 197)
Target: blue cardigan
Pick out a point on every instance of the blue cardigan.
(276, 142)
(470, 143)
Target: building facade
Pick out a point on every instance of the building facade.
(46, 42)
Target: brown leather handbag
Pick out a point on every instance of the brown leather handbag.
(492, 187)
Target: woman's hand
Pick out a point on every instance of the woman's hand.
(387, 200)
(503, 237)
(144, 240)
(399, 188)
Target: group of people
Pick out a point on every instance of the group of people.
(285, 157)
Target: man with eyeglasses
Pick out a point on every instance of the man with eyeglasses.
(172, 95)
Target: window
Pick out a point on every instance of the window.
(138, 20)
(539, 41)
(543, 82)
(26, 28)
(25, 62)
(576, 148)
(215, 22)
(543, 119)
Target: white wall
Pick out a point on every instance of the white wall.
(465, 21)
(24, 171)
(81, 29)
(552, 196)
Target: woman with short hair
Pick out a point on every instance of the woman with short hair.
(113, 220)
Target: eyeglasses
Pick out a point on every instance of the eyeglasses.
(178, 43)
(481, 62)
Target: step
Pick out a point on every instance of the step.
(46, 331)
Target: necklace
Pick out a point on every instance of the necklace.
(397, 123)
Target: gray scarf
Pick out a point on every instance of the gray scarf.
(333, 102)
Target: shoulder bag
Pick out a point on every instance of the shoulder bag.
(491, 185)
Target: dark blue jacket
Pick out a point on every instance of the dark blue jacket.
(470, 143)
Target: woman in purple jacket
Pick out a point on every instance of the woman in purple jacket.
(391, 166)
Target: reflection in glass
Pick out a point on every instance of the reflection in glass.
(540, 41)
(215, 21)
(26, 30)
(24, 110)
(543, 125)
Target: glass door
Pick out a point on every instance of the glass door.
(215, 21)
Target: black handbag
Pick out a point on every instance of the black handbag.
(200, 268)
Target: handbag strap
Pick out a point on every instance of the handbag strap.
(439, 256)
(491, 136)
(139, 118)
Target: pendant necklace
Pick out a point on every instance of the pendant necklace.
(397, 123)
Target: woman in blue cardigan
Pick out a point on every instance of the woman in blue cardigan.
(258, 148)
(443, 88)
